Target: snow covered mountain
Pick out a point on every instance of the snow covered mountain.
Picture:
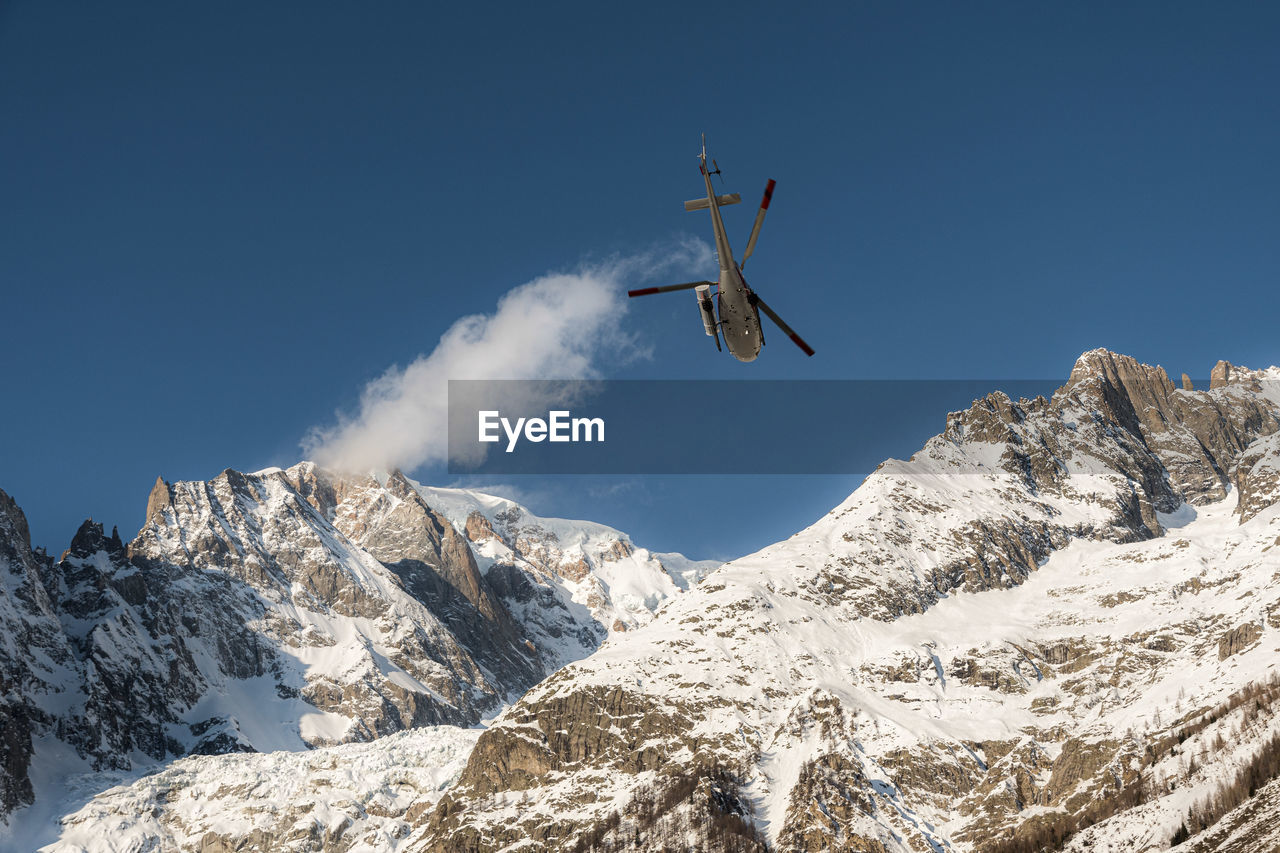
(1054, 627)
(553, 574)
(353, 796)
(1035, 630)
(36, 658)
(290, 609)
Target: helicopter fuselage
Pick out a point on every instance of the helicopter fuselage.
(739, 319)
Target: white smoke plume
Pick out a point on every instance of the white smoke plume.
(558, 326)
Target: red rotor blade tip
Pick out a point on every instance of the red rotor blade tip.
(768, 194)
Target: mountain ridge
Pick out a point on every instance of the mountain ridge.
(1051, 625)
(286, 609)
(1005, 490)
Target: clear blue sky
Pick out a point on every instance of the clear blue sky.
(219, 221)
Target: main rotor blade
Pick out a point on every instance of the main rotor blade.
(773, 315)
(755, 229)
(667, 288)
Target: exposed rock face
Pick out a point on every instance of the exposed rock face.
(1238, 639)
(277, 610)
(828, 800)
(133, 642)
(160, 498)
(433, 562)
(570, 585)
(302, 586)
(1194, 438)
(34, 654)
(1220, 376)
(1092, 538)
(1257, 477)
(239, 619)
(478, 528)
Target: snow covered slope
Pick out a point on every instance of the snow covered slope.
(289, 609)
(352, 797)
(571, 584)
(1000, 638)
(36, 659)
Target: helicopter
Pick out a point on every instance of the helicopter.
(737, 305)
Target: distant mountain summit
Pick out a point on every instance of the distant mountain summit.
(295, 608)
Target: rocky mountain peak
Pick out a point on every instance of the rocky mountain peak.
(287, 609)
(160, 498)
(478, 528)
(90, 538)
(1194, 436)
(1258, 381)
(992, 419)
(34, 652)
(1220, 375)
(1118, 368)
(14, 533)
